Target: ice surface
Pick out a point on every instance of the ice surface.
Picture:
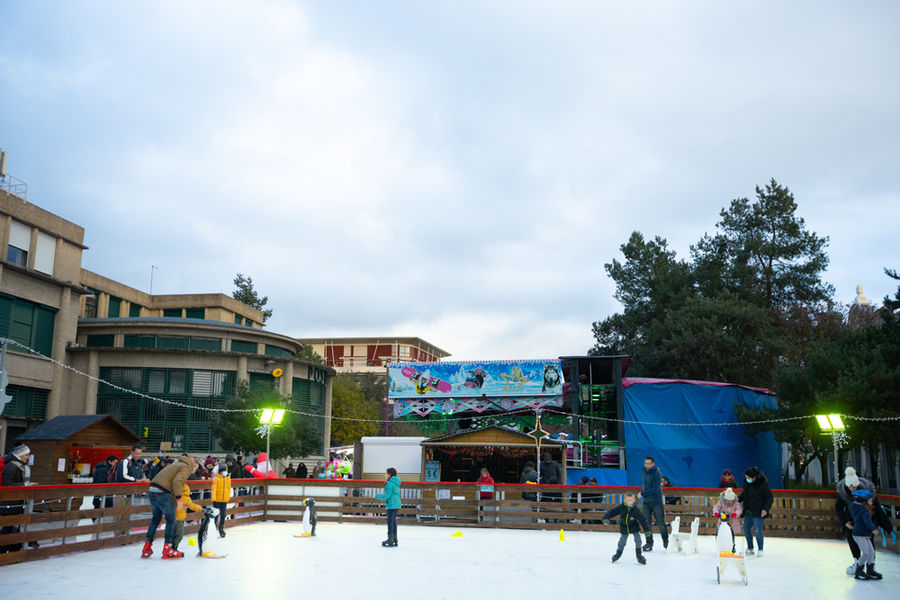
(347, 561)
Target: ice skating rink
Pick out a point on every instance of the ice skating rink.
(347, 561)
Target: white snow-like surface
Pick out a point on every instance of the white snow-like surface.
(347, 561)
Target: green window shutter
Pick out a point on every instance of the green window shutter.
(115, 306)
(195, 313)
(27, 402)
(134, 310)
(277, 352)
(43, 330)
(238, 319)
(172, 342)
(140, 341)
(241, 346)
(208, 344)
(261, 383)
(21, 322)
(172, 312)
(5, 312)
(100, 341)
(248, 322)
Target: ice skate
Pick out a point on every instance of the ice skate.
(640, 557)
(860, 573)
(147, 550)
(616, 556)
(872, 573)
(169, 552)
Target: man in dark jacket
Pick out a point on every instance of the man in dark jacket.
(529, 475)
(302, 470)
(631, 521)
(756, 500)
(845, 488)
(16, 472)
(551, 474)
(101, 475)
(651, 494)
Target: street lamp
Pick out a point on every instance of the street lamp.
(268, 419)
(834, 425)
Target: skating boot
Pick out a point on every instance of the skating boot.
(759, 554)
(750, 552)
(665, 542)
(386, 543)
(648, 546)
(872, 573)
(393, 541)
(640, 557)
(617, 555)
(860, 573)
(168, 552)
(148, 549)
(221, 533)
(851, 569)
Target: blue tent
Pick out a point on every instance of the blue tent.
(695, 456)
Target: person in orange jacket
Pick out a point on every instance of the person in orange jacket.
(181, 509)
(221, 494)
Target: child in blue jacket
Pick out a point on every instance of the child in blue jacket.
(391, 497)
(863, 531)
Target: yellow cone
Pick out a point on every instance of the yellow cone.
(562, 535)
(192, 541)
(456, 534)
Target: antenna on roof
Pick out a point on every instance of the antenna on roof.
(152, 269)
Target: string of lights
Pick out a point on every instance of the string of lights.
(457, 418)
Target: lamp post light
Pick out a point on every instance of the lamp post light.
(268, 419)
(834, 425)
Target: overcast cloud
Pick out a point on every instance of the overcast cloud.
(456, 171)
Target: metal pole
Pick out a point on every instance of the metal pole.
(837, 466)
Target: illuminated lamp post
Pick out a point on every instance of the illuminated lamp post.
(268, 419)
(834, 425)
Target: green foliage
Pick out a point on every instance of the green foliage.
(246, 293)
(309, 355)
(294, 437)
(349, 401)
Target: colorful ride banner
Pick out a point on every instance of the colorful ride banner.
(475, 379)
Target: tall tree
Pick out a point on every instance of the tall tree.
(295, 436)
(246, 293)
(309, 355)
(349, 402)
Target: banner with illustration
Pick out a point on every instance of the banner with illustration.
(475, 379)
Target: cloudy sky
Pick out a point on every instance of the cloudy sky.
(457, 171)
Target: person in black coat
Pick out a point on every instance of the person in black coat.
(845, 488)
(302, 470)
(16, 472)
(756, 500)
(631, 521)
(101, 475)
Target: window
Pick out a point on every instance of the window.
(27, 323)
(140, 341)
(45, 253)
(155, 381)
(238, 319)
(248, 322)
(208, 344)
(100, 341)
(278, 352)
(195, 313)
(211, 383)
(404, 351)
(172, 342)
(262, 383)
(177, 382)
(27, 402)
(172, 312)
(19, 244)
(90, 304)
(134, 310)
(115, 306)
(242, 346)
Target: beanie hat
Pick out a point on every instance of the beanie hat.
(730, 495)
(21, 450)
(851, 478)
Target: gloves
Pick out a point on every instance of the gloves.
(716, 515)
(734, 515)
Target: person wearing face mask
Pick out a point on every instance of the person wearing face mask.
(756, 499)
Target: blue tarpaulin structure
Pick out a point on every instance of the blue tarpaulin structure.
(695, 456)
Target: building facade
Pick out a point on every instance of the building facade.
(132, 355)
(359, 355)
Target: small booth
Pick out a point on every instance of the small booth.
(66, 448)
(460, 456)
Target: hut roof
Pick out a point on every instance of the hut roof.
(64, 427)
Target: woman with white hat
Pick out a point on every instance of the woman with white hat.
(845, 488)
(16, 472)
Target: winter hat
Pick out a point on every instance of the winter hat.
(730, 495)
(20, 451)
(851, 479)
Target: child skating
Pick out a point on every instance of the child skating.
(863, 531)
(391, 497)
(728, 505)
(221, 494)
(631, 521)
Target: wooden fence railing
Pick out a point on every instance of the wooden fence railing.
(62, 519)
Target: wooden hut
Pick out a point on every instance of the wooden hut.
(62, 443)
(502, 450)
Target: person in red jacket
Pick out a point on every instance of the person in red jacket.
(486, 480)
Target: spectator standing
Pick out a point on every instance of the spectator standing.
(302, 470)
(130, 470)
(651, 493)
(486, 483)
(529, 475)
(16, 472)
(101, 475)
(727, 479)
(290, 472)
(756, 498)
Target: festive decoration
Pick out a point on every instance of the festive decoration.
(449, 406)
(262, 470)
(475, 379)
(514, 380)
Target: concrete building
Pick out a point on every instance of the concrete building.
(359, 355)
(191, 349)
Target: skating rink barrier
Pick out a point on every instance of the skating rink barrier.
(53, 520)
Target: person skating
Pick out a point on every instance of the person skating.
(864, 529)
(16, 472)
(728, 505)
(654, 508)
(756, 499)
(221, 494)
(162, 499)
(181, 509)
(845, 487)
(391, 497)
(631, 521)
